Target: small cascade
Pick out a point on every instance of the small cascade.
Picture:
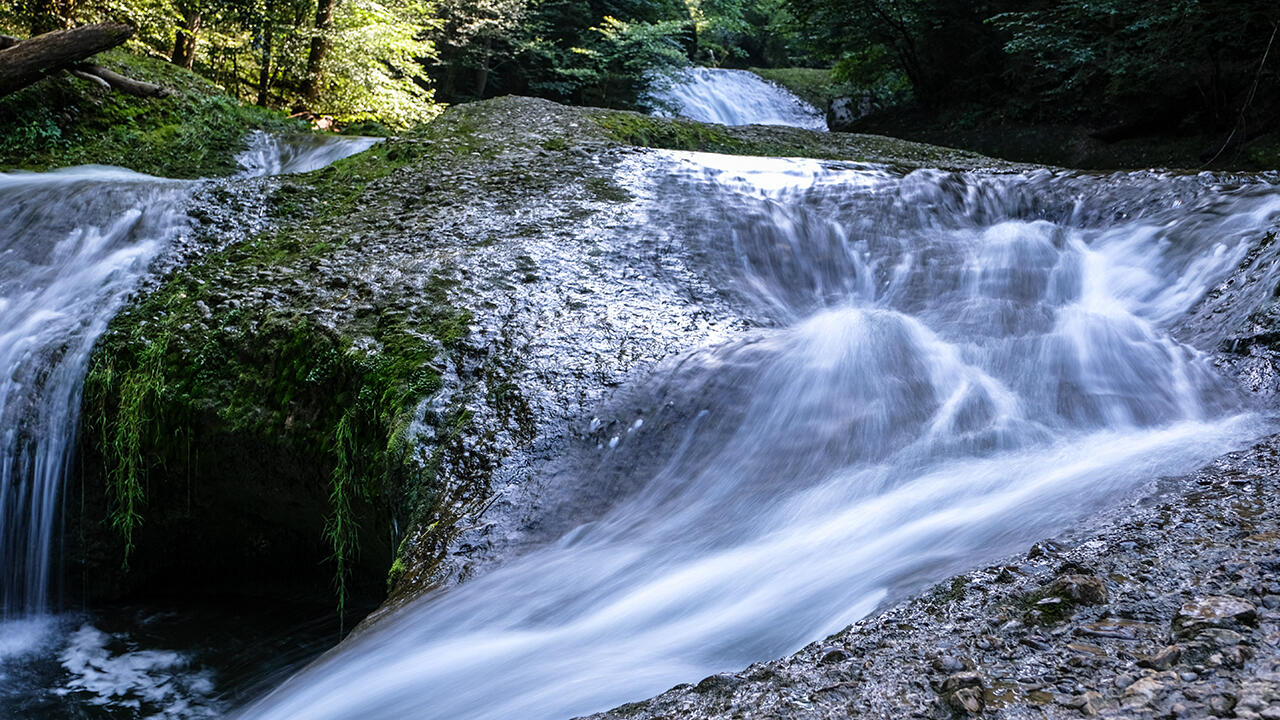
(74, 244)
(288, 155)
(735, 97)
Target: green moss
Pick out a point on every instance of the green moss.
(1043, 607)
(815, 86)
(195, 132)
(182, 364)
(671, 134)
(607, 190)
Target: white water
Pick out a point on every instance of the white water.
(277, 155)
(74, 244)
(952, 368)
(735, 97)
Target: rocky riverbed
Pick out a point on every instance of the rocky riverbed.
(459, 300)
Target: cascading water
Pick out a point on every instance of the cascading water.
(73, 245)
(948, 367)
(277, 155)
(734, 97)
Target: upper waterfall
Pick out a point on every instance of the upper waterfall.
(735, 97)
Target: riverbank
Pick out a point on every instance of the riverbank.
(196, 131)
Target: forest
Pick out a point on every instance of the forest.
(1120, 67)
(699, 359)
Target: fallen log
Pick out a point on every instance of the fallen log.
(28, 61)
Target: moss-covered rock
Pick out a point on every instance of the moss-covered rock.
(340, 396)
(815, 86)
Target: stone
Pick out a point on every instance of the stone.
(1162, 660)
(1220, 637)
(948, 664)
(1215, 611)
(1088, 703)
(1144, 691)
(843, 112)
(723, 682)
(964, 679)
(1080, 589)
(968, 700)
(834, 655)
(1221, 705)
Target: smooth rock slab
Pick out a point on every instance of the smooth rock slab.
(1215, 611)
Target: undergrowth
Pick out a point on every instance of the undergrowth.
(195, 132)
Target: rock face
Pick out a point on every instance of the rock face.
(845, 111)
(1178, 615)
(350, 367)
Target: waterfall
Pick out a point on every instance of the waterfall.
(735, 97)
(945, 368)
(74, 244)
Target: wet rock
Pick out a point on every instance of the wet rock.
(1080, 589)
(968, 700)
(964, 679)
(1162, 660)
(844, 112)
(1215, 611)
(834, 655)
(1222, 705)
(1220, 638)
(722, 682)
(1146, 690)
(1088, 703)
(948, 664)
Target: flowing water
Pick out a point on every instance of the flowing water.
(947, 367)
(735, 97)
(74, 244)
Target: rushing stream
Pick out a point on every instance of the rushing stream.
(74, 244)
(948, 367)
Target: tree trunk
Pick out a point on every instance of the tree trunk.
(319, 48)
(264, 69)
(184, 39)
(30, 60)
(482, 71)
